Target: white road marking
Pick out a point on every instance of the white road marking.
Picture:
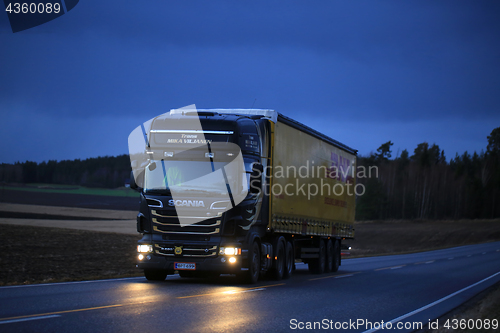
(433, 303)
(26, 319)
(397, 267)
(343, 276)
(429, 262)
(451, 258)
(484, 252)
(247, 291)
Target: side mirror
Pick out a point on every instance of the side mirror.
(256, 178)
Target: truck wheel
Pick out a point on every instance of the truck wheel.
(330, 254)
(155, 274)
(317, 265)
(279, 259)
(336, 258)
(252, 275)
(289, 260)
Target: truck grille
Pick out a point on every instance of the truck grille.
(164, 222)
(188, 250)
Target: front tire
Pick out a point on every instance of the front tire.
(252, 275)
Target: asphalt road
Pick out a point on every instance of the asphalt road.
(403, 289)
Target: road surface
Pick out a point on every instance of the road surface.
(405, 289)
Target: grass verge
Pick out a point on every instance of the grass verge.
(41, 255)
(398, 237)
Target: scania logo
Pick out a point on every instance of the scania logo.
(186, 203)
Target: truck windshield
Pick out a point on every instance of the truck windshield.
(191, 177)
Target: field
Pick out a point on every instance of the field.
(41, 254)
(391, 237)
(69, 189)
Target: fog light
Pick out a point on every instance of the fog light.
(232, 260)
(140, 257)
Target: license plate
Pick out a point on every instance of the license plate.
(185, 266)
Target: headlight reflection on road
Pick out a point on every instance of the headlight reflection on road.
(235, 311)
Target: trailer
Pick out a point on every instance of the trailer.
(240, 191)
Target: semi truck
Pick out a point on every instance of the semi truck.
(240, 191)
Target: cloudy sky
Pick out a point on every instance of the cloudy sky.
(362, 72)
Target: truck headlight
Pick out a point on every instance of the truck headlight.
(144, 248)
(230, 251)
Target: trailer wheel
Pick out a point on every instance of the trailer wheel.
(252, 275)
(289, 260)
(330, 257)
(278, 270)
(155, 274)
(317, 265)
(336, 258)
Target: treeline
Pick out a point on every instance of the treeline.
(107, 172)
(425, 186)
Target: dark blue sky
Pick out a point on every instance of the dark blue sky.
(362, 72)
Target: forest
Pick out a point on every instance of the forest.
(104, 172)
(423, 185)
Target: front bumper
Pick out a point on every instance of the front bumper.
(218, 264)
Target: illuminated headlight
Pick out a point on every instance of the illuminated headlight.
(232, 260)
(144, 248)
(140, 257)
(230, 251)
